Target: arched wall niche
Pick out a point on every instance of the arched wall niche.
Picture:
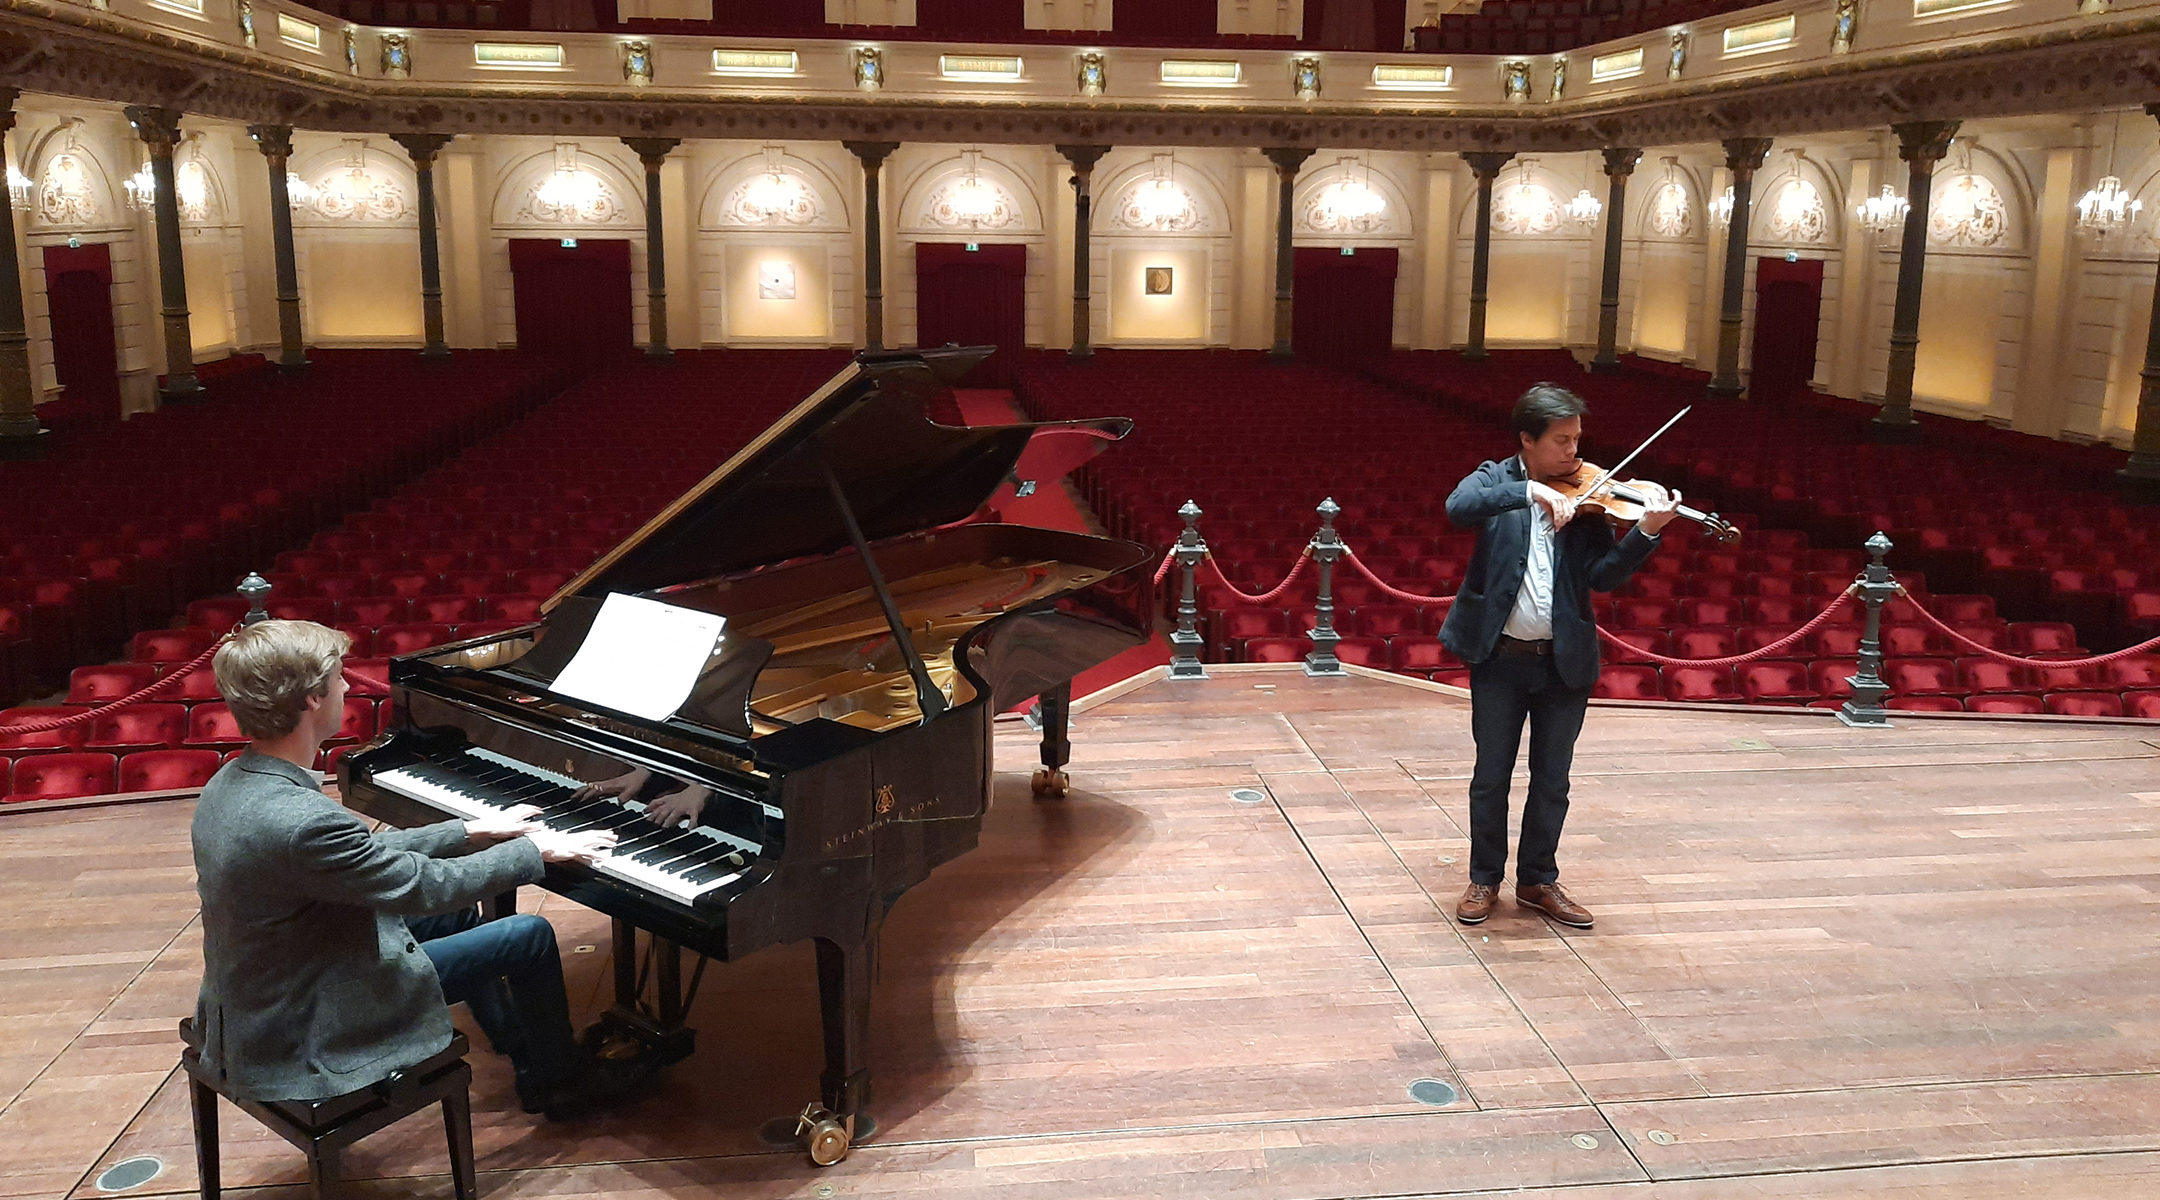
(1160, 264)
(926, 202)
(518, 182)
(1316, 217)
(829, 205)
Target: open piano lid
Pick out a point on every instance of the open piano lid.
(901, 473)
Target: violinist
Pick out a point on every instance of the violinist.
(1523, 622)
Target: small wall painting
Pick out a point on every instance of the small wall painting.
(776, 281)
(1158, 281)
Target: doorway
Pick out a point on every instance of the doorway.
(1342, 307)
(86, 358)
(572, 297)
(973, 294)
(1788, 312)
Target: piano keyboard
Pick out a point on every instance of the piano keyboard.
(681, 864)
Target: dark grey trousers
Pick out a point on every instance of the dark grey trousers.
(1506, 691)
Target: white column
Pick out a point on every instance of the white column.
(1436, 251)
(2049, 336)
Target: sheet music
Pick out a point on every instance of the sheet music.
(640, 657)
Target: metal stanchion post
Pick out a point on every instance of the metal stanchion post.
(1185, 642)
(1868, 689)
(257, 590)
(1327, 546)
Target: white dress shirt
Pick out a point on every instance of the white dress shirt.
(1531, 620)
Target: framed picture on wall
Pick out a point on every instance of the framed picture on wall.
(1158, 281)
(776, 281)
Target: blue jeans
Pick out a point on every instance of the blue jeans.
(510, 974)
(1504, 691)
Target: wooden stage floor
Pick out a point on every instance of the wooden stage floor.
(1913, 962)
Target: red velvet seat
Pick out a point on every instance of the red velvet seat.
(1953, 609)
(471, 584)
(1750, 638)
(2085, 704)
(69, 737)
(1776, 681)
(2137, 671)
(446, 610)
(167, 770)
(1628, 682)
(217, 613)
(334, 585)
(1909, 641)
(375, 669)
(2142, 704)
(1645, 614)
(1922, 677)
(359, 721)
(105, 684)
(1231, 628)
(1364, 651)
(1828, 676)
(1835, 641)
(61, 776)
(1925, 704)
(374, 610)
(1991, 675)
(320, 609)
(1724, 585)
(1702, 643)
(521, 609)
(1656, 641)
(211, 726)
(405, 583)
(539, 581)
(1700, 684)
(2043, 637)
(1276, 650)
(1647, 586)
(196, 685)
(169, 645)
(1388, 620)
(1786, 613)
(1712, 610)
(154, 726)
(2066, 679)
(410, 638)
(1417, 655)
(2005, 702)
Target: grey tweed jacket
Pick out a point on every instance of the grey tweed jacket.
(312, 986)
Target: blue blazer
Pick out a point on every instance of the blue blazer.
(1495, 501)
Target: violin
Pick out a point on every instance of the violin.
(1623, 500)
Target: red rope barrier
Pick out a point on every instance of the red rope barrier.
(1296, 569)
(1350, 556)
(141, 694)
(1734, 659)
(366, 681)
(2015, 660)
(1164, 569)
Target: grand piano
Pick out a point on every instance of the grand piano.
(879, 614)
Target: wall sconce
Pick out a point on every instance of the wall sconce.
(244, 13)
(1093, 74)
(637, 66)
(1305, 77)
(396, 56)
(869, 68)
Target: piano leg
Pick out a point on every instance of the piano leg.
(630, 1027)
(844, 977)
(1050, 780)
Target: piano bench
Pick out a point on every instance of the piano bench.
(322, 1128)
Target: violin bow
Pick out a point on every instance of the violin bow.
(1614, 469)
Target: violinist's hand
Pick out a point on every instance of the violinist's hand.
(1659, 510)
(1557, 504)
(625, 786)
(678, 808)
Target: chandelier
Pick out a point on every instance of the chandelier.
(1584, 208)
(141, 189)
(1160, 201)
(570, 188)
(1882, 212)
(2108, 207)
(971, 199)
(191, 186)
(1350, 202)
(300, 194)
(18, 186)
(1721, 208)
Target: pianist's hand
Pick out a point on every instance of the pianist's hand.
(679, 807)
(502, 826)
(582, 847)
(625, 786)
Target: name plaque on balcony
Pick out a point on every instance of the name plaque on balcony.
(295, 32)
(528, 55)
(1623, 64)
(1405, 77)
(756, 62)
(1183, 72)
(1758, 36)
(980, 68)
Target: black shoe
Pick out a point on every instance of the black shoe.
(600, 1083)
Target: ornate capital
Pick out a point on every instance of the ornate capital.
(1620, 161)
(422, 146)
(8, 96)
(1287, 159)
(1083, 158)
(275, 141)
(159, 128)
(1924, 142)
(1744, 156)
(1486, 164)
(651, 151)
(872, 154)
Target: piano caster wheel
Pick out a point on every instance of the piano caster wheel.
(824, 1134)
(1050, 783)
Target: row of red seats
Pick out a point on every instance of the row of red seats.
(75, 774)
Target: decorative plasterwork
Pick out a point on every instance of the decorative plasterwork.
(970, 202)
(1348, 200)
(776, 198)
(67, 194)
(1525, 207)
(1160, 200)
(70, 50)
(1967, 211)
(1672, 214)
(1796, 213)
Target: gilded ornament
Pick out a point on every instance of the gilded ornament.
(1515, 80)
(244, 12)
(1968, 210)
(1094, 74)
(1676, 54)
(869, 68)
(396, 56)
(1305, 77)
(1844, 26)
(1559, 80)
(1797, 213)
(352, 51)
(637, 63)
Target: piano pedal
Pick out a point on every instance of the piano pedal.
(1050, 783)
(619, 1036)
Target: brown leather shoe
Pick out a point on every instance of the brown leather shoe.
(1547, 898)
(1477, 902)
